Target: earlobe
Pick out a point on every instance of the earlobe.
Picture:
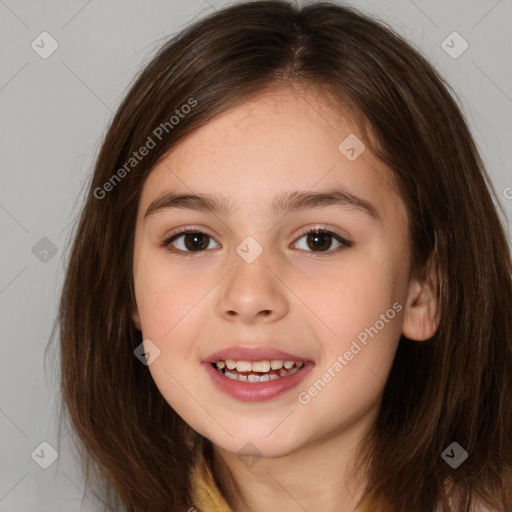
(422, 311)
(136, 319)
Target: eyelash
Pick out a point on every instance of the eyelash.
(345, 244)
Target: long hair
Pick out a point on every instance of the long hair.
(454, 387)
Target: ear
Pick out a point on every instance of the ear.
(136, 318)
(423, 311)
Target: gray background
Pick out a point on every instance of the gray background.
(54, 112)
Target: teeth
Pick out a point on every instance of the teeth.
(243, 366)
(246, 375)
(258, 366)
(257, 378)
(283, 372)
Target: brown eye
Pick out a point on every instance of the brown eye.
(195, 241)
(320, 241)
(317, 241)
(188, 241)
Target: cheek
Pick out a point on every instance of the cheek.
(363, 310)
(170, 307)
(356, 361)
(164, 296)
(344, 301)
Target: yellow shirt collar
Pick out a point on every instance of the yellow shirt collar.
(205, 493)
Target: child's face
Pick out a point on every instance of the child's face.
(225, 294)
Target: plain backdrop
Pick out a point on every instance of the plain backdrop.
(53, 114)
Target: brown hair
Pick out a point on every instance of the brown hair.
(454, 387)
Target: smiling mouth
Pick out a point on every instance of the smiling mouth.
(258, 371)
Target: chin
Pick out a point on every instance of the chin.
(257, 446)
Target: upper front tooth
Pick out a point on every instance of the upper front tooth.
(243, 366)
(257, 366)
(276, 364)
(261, 366)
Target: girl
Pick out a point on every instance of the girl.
(289, 287)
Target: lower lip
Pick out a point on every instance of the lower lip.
(257, 391)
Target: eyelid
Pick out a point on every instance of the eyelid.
(184, 230)
(345, 242)
(323, 228)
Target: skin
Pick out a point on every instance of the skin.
(194, 304)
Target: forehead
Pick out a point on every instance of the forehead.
(282, 122)
(282, 140)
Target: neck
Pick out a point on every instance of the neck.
(309, 478)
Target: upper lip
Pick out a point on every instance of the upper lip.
(252, 354)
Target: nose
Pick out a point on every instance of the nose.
(253, 293)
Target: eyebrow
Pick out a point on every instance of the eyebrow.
(292, 201)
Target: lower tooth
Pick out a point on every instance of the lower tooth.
(251, 377)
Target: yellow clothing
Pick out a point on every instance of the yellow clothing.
(208, 498)
(205, 493)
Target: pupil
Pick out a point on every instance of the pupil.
(196, 243)
(320, 237)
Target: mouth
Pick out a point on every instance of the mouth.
(257, 371)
